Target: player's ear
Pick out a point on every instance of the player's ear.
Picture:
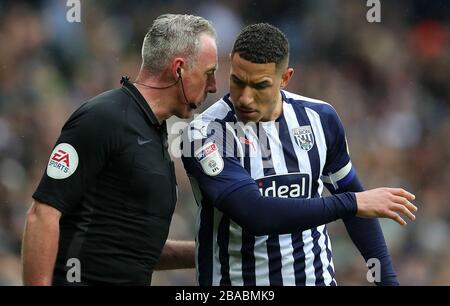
(286, 77)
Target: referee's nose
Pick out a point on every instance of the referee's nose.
(211, 84)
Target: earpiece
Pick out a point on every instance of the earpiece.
(180, 79)
(191, 105)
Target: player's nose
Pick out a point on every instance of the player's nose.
(246, 97)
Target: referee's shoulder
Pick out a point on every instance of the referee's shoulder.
(103, 111)
(110, 105)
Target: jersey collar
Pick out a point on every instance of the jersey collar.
(140, 100)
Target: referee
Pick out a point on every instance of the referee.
(102, 210)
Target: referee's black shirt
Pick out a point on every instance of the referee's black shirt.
(112, 178)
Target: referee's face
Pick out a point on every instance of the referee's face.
(255, 89)
(200, 79)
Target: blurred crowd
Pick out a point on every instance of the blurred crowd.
(389, 81)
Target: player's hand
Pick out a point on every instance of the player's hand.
(386, 203)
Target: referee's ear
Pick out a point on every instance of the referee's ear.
(286, 77)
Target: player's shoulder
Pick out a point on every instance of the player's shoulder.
(323, 108)
(214, 118)
(221, 110)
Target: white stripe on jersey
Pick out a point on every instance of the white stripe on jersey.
(216, 275)
(302, 155)
(234, 249)
(260, 249)
(319, 136)
(303, 98)
(256, 163)
(305, 167)
(323, 255)
(261, 261)
(309, 258)
(276, 147)
(279, 165)
(287, 259)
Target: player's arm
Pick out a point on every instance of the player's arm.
(209, 160)
(266, 215)
(177, 255)
(40, 244)
(235, 193)
(367, 236)
(340, 176)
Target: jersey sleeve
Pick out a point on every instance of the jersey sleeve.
(81, 151)
(209, 155)
(338, 170)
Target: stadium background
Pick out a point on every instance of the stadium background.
(389, 81)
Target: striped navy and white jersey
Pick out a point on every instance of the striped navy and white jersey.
(293, 156)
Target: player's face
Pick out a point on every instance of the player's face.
(255, 89)
(200, 80)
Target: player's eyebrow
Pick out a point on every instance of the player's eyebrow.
(262, 83)
(236, 79)
(253, 84)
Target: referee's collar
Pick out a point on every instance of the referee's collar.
(140, 100)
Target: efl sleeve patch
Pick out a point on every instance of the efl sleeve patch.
(63, 161)
(209, 158)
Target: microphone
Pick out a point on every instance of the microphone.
(191, 104)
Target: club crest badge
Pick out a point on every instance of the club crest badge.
(304, 137)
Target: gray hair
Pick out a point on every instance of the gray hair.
(173, 35)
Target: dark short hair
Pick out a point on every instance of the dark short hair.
(262, 43)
